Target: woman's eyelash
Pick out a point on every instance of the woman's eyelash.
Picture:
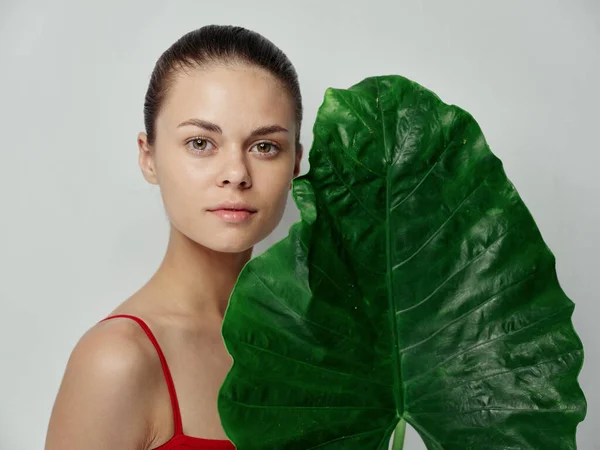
(196, 138)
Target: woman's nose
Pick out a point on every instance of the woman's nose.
(235, 172)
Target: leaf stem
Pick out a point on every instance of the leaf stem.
(399, 435)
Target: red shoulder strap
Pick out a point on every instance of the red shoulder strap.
(165, 367)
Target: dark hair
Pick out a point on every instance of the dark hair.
(218, 44)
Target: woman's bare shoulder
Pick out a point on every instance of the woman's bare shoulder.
(103, 399)
(110, 342)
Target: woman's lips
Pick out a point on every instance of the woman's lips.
(230, 215)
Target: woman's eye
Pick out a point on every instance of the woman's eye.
(199, 144)
(266, 147)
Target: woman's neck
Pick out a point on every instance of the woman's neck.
(196, 280)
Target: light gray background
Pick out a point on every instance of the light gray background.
(81, 230)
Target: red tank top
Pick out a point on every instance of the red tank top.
(179, 441)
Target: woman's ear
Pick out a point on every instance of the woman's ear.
(298, 160)
(146, 159)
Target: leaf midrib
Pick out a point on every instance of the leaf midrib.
(391, 301)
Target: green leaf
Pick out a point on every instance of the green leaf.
(415, 286)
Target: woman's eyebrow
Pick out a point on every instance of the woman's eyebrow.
(209, 126)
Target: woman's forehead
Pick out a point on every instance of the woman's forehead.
(227, 94)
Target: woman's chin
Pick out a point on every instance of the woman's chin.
(228, 242)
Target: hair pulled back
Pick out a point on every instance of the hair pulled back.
(218, 44)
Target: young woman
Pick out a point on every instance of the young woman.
(222, 115)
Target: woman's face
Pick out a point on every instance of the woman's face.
(199, 168)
